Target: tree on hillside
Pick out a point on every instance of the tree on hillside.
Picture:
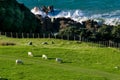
(104, 32)
(70, 31)
(116, 33)
(15, 17)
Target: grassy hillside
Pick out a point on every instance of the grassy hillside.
(81, 61)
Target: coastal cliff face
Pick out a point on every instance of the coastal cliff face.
(15, 17)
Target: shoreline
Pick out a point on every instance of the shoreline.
(79, 16)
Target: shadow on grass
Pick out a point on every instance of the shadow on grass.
(24, 64)
(61, 62)
(66, 62)
(3, 78)
(27, 64)
(38, 56)
(51, 58)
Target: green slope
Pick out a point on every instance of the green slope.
(80, 61)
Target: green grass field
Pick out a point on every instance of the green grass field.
(80, 61)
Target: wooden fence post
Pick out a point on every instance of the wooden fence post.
(22, 35)
(27, 35)
(74, 38)
(33, 35)
(61, 37)
(119, 46)
(16, 35)
(5, 34)
(11, 34)
(79, 38)
(43, 35)
(55, 36)
(38, 35)
(48, 35)
(68, 37)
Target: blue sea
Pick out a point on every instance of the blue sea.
(106, 11)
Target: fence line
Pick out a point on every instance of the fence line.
(75, 38)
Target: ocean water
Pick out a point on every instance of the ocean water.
(105, 11)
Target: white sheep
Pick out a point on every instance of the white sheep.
(18, 61)
(44, 56)
(117, 67)
(58, 60)
(30, 54)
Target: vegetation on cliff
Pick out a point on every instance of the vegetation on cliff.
(15, 17)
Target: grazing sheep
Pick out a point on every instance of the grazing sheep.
(44, 56)
(44, 43)
(19, 61)
(30, 54)
(58, 60)
(117, 67)
(30, 43)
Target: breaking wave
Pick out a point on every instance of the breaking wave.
(111, 18)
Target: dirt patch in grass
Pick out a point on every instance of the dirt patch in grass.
(7, 43)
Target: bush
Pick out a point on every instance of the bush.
(104, 32)
(116, 33)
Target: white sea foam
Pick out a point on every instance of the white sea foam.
(38, 11)
(111, 18)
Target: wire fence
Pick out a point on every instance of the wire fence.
(75, 38)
